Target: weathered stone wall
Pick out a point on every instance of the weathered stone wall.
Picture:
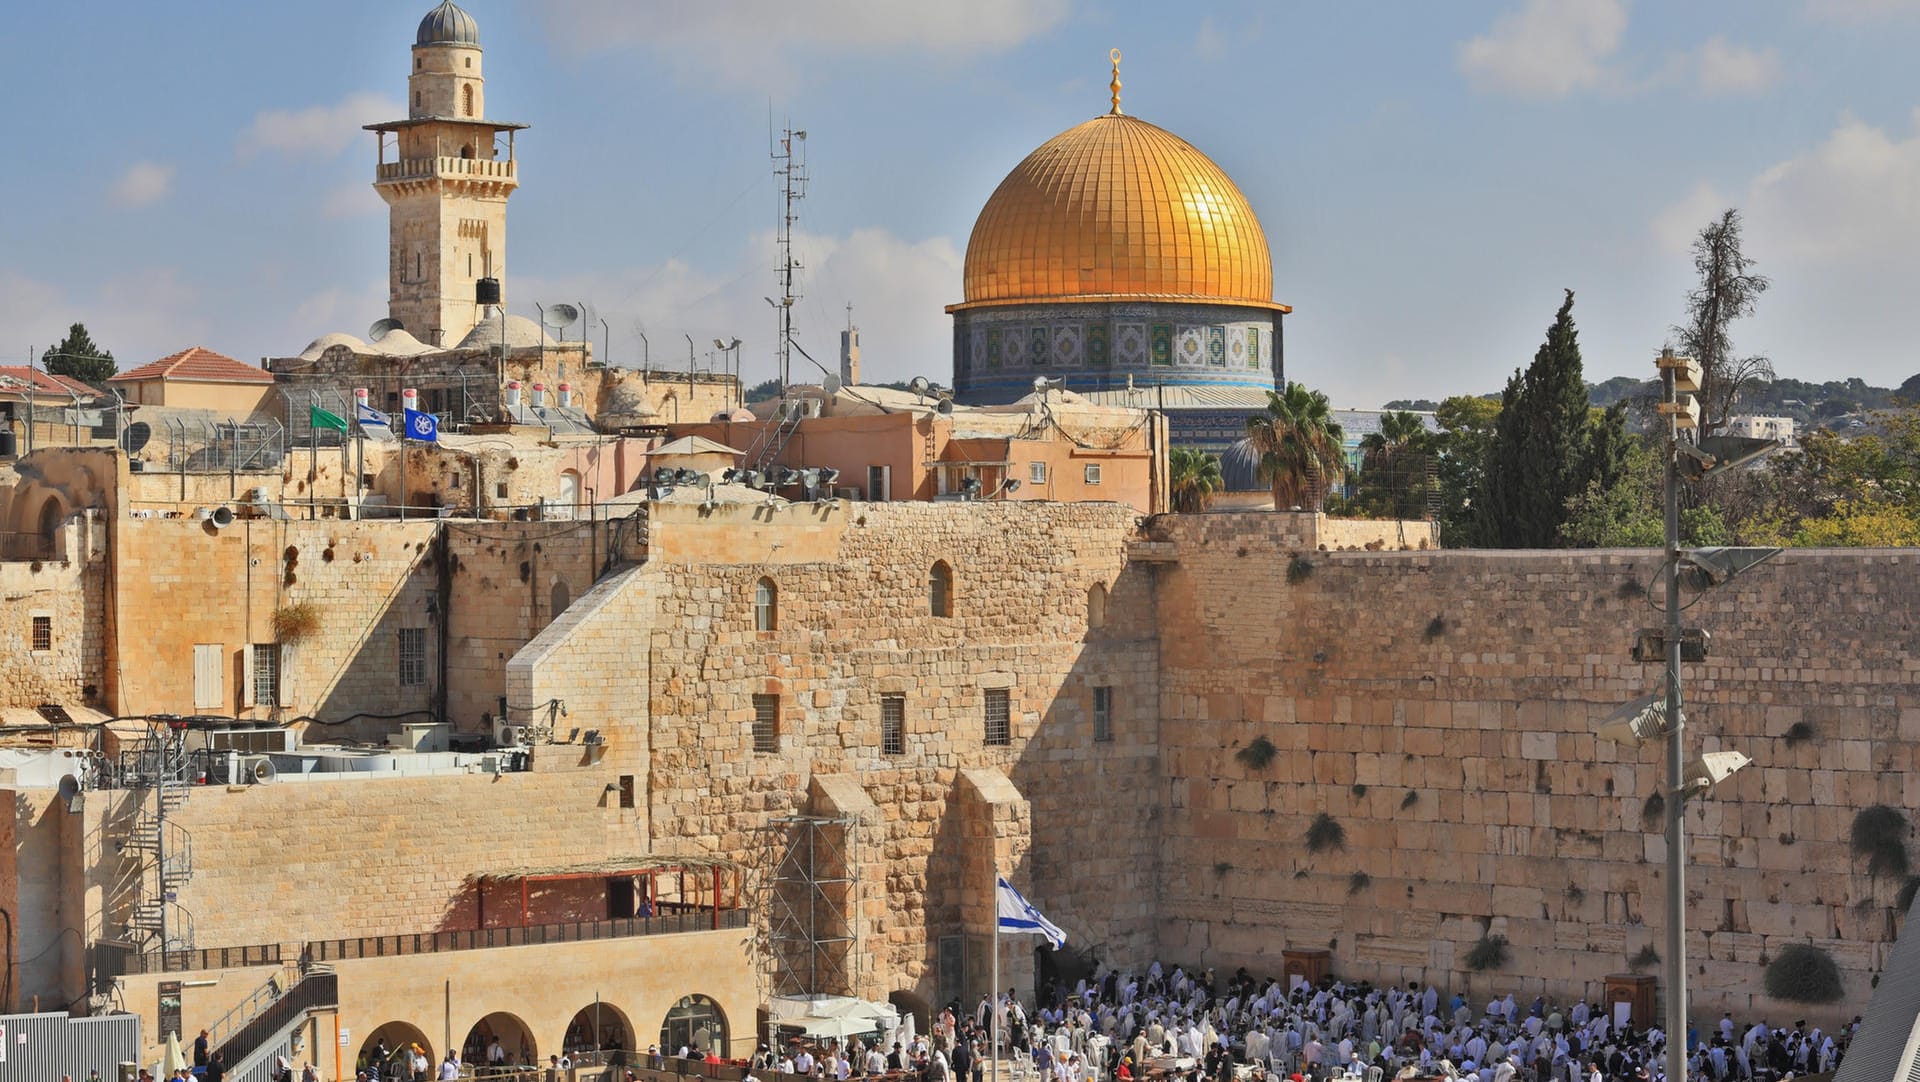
(177, 583)
(854, 624)
(68, 590)
(383, 856)
(1441, 708)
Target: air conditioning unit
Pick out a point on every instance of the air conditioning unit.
(505, 733)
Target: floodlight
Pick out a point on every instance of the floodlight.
(1637, 722)
(689, 476)
(1012, 484)
(1714, 566)
(918, 384)
(828, 475)
(663, 475)
(1710, 769)
(1720, 454)
(729, 475)
(788, 476)
(1685, 411)
(1686, 371)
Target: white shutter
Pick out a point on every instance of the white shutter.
(209, 691)
(246, 675)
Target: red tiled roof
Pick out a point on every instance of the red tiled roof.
(18, 378)
(197, 363)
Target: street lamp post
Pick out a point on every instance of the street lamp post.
(1664, 716)
(1670, 378)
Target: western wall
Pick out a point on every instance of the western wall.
(1441, 708)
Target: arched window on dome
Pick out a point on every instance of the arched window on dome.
(466, 100)
(766, 606)
(940, 589)
(1096, 606)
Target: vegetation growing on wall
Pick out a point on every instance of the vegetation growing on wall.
(1803, 973)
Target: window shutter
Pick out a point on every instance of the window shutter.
(246, 675)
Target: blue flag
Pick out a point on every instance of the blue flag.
(1016, 914)
(422, 425)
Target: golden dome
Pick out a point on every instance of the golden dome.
(1118, 209)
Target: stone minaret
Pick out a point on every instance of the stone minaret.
(850, 352)
(447, 185)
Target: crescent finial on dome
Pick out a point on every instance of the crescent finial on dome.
(1114, 86)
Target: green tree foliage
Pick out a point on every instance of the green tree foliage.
(1538, 458)
(77, 357)
(762, 391)
(1193, 477)
(1728, 290)
(1392, 482)
(1296, 447)
(1466, 432)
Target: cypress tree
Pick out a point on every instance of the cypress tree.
(1539, 455)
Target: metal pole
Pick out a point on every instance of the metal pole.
(993, 981)
(1676, 766)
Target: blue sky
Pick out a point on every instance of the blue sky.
(1430, 175)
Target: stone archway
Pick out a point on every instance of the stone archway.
(911, 1005)
(515, 1038)
(386, 1044)
(696, 1022)
(598, 1026)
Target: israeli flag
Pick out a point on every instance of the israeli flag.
(422, 425)
(1016, 914)
(369, 416)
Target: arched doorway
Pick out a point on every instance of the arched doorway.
(913, 1007)
(598, 1026)
(695, 1023)
(51, 515)
(389, 1047)
(515, 1040)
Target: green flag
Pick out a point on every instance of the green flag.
(319, 418)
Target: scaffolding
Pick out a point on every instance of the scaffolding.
(812, 894)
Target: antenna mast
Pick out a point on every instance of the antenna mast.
(790, 165)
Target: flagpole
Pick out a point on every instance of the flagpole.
(993, 987)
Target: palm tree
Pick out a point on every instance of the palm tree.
(1193, 478)
(1295, 446)
(1392, 475)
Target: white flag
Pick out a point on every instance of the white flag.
(1016, 914)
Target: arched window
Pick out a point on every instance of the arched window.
(558, 600)
(696, 1022)
(569, 488)
(940, 589)
(466, 150)
(766, 606)
(1096, 606)
(466, 100)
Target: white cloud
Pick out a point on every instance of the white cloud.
(143, 183)
(318, 131)
(1547, 49)
(746, 41)
(1723, 68)
(1208, 41)
(1837, 229)
(892, 282)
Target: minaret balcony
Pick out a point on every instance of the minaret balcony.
(430, 168)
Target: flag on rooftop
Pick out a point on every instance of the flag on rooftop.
(319, 418)
(422, 425)
(1016, 914)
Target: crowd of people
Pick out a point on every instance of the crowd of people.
(1175, 1026)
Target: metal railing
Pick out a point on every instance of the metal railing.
(413, 168)
(705, 920)
(129, 962)
(314, 991)
(223, 1030)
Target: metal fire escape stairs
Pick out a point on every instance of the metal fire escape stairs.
(157, 853)
(790, 411)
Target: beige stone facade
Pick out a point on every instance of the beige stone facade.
(1438, 705)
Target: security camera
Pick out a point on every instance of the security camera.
(1637, 722)
(1714, 566)
(1712, 768)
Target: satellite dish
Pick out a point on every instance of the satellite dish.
(830, 383)
(383, 327)
(135, 437)
(560, 316)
